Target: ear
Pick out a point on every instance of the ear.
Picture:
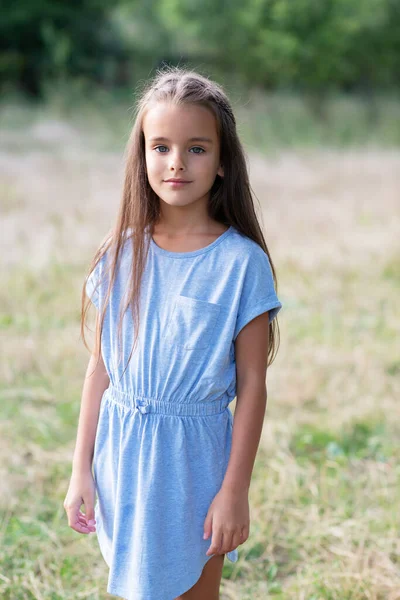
(220, 171)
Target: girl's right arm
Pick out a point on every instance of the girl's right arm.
(82, 487)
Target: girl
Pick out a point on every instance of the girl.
(188, 256)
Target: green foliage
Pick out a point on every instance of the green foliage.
(313, 45)
(310, 44)
(43, 40)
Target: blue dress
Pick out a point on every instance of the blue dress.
(164, 433)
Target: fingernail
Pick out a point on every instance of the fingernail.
(91, 522)
(204, 536)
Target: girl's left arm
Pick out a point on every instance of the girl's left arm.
(228, 516)
(251, 353)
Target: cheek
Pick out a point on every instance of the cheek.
(151, 165)
(209, 168)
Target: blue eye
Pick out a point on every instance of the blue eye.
(198, 148)
(157, 147)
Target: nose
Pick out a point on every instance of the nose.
(176, 162)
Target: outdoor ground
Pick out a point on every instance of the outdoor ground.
(326, 485)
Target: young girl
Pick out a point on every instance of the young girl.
(170, 463)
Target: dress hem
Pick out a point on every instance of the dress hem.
(116, 591)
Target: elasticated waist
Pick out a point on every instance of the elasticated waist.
(170, 407)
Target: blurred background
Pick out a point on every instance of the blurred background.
(315, 86)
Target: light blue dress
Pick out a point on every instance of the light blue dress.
(165, 428)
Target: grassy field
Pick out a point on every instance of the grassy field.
(326, 485)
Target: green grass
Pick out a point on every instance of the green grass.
(326, 484)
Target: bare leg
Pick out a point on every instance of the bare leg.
(207, 587)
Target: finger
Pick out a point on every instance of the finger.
(81, 528)
(215, 542)
(227, 542)
(237, 540)
(83, 516)
(84, 521)
(80, 519)
(89, 512)
(245, 532)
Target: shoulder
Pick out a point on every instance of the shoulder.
(242, 242)
(246, 249)
(252, 270)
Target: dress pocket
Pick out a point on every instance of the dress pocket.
(192, 323)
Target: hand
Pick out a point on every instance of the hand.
(82, 490)
(228, 521)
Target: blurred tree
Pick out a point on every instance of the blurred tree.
(43, 39)
(315, 46)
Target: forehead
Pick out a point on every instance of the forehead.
(179, 122)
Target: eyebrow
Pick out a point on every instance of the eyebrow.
(193, 139)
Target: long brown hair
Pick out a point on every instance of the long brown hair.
(231, 197)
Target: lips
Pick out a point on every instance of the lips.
(177, 181)
(177, 184)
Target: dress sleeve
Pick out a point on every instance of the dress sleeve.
(93, 284)
(258, 292)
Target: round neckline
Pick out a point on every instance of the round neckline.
(164, 252)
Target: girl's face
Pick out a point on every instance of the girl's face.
(181, 142)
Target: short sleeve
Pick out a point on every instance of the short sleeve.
(93, 283)
(258, 292)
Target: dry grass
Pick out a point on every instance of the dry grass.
(325, 491)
